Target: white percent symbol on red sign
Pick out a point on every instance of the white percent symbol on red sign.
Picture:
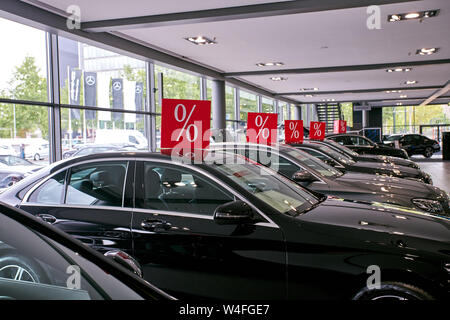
(260, 124)
(185, 126)
(294, 131)
(317, 130)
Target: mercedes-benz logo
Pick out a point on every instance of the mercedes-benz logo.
(117, 85)
(90, 80)
(138, 89)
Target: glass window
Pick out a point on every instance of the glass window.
(97, 184)
(89, 132)
(23, 63)
(177, 85)
(248, 102)
(172, 188)
(51, 191)
(229, 103)
(347, 112)
(267, 105)
(285, 167)
(314, 164)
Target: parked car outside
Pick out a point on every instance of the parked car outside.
(231, 229)
(13, 168)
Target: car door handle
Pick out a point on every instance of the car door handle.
(47, 218)
(156, 225)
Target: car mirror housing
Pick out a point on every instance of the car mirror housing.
(303, 176)
(235, 212)
(125, 260)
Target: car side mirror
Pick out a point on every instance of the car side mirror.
(303, 176)
(125, 260)
(235, 212)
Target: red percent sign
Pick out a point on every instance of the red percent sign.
(185, 125)
(262, 127)
(317, 130)
(293, 131)
(340, 126)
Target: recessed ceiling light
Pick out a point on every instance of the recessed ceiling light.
(201, 40)
(399, 103)
(399, 70)
(412, 15)
(410, 82)
(309, 89)
(309, 95)
(328, 100)
(278, 78)
(426, 51)
(269, 64)
(393, 91)
(403, 96)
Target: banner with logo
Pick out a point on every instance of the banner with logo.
(117, 97)
(139, 99)
(103, 85)
(129, 95)
(74, 91)
(90, 93)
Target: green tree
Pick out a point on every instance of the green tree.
(25, 84)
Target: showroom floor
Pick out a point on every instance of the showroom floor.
(438, 168)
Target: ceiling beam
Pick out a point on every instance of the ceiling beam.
(301, 93)
(373, 100)
(437, 94)
(32, 15)
(361, 67)
(230, 13)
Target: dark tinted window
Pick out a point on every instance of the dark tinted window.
(51, 191)
(97, 184)
(178, 189)
(282, 165)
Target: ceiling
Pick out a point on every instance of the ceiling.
(315, 38)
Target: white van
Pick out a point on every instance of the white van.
(126, 137)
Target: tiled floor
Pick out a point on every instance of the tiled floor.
(438, 168)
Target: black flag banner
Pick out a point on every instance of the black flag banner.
(90, 93)
(117, 96)
(74, 91)
(138, 99)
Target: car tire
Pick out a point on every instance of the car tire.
(13, 264)
(428, 152)
(37, 157)
(393, 291)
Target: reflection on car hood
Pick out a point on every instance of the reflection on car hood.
(387, 168)
(380, 217)
(397, 161)
(391, 185)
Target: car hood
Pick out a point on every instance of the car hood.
(380, 217)
(395, 160)
(390, 186)
(386, 168)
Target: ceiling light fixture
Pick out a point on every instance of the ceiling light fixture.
(393, 91)
(398, 70)
(309, 89)
(410, 81)
(328, 100)
(403, 96)
(412, 15)
(201, 40)
(426, 51)
(278, 79)
(399, 103)
(309, 95)
(269, 64)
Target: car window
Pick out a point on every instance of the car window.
(16, 161)
(331, 153)
(316, 165)
(97, 184)
(284, 166)
(34, 267)
(51, 191)
(172, 188)
(132, 139)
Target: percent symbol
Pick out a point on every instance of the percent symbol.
(265, 131)
(185, 126)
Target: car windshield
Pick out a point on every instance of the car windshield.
(275, 190)
(343, 148)
(313, 163)
(339, 156)
(14, 161)
(393, 138)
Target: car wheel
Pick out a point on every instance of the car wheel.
(428, 152)
(37, 157)
(16, 267)
(393, 291)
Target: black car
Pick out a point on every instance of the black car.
(414, 144)
(367, 157)
(230, 229)
(345, 163)
(318, 176)
(39, 262)
(364, 145)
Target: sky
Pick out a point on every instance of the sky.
(19, 41)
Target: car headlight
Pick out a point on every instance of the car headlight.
(428, 205)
